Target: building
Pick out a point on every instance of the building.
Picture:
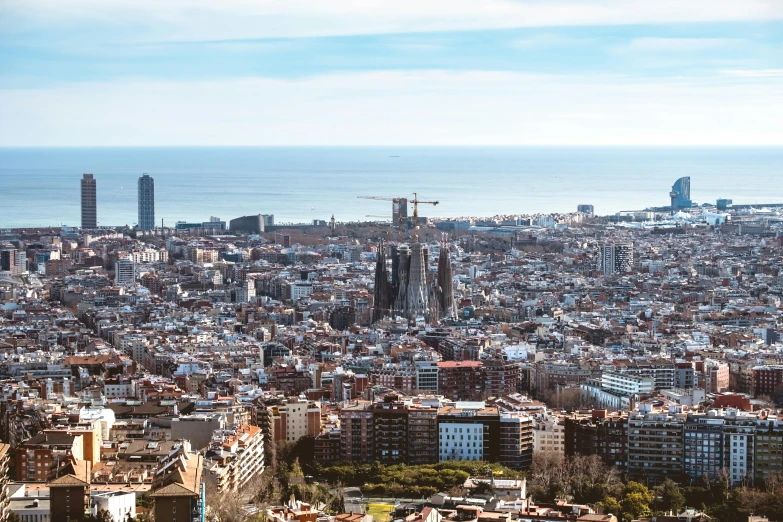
(235, 456)
(399, 210)
(422, 435)
(69, 498)
(587, 210)
(197, 429)
(549, 435)
(89, 202)
(357, 432)
(716, 376)
(146, 203)
(426, 376)
(516, 440)
(655, 445)
(469, 431)
(703, 446)
(294, 418)
(38, 457)
(597, 433)
(252, 224)
(13, 260)
(617, 391)
(124, 272)
(765, 379)
(390, 421)
(501, 377)
(119, 504)
(178, 490)
(461, 380)
(616, 258)
(681, 194)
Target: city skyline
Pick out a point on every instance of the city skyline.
(426, 73)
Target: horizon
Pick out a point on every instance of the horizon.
(511, 73)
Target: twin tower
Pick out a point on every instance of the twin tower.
(146, 202)
(410, 292)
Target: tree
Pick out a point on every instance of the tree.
(636, 501)
(669, 497)
(610, 505)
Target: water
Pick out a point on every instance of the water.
(40, 187)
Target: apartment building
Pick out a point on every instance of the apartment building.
(294, 418)
(357, 432)
(549, 435)
(468, 431)
(235, 456)
(461, 380)
(655, 445)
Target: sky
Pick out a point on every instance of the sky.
(380, 72)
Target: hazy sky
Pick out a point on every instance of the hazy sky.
(397, 72)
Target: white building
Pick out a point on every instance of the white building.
(461, 441)
(124, 272)
(119, 504)
(426, 376)
(299, 290)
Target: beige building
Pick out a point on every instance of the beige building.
(295, 418)
(549, 435)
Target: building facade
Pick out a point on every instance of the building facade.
(146, 203)
(89, 202)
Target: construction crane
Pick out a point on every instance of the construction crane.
(416, 202)
(393, 200)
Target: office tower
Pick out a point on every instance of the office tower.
(124, 272)
(616, 258)
(146, 203)
(89, 205)
(399, 210)
(681, 193)
(588, 210)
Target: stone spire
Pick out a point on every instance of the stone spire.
(381, 297)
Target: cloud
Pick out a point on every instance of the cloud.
(755, 73)
(175, 20)
(399, 108)
(682, 44)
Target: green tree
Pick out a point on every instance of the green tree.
(668, 497)
(636, 501)
(610, 505)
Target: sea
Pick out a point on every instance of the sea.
(40, 186)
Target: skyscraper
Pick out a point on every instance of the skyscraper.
(616, 258)
(146, 203)
(89, 206)
(681, 193)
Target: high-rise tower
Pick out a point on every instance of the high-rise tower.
(146, 203)
(89, 206)
(681, 193)
(616, 258)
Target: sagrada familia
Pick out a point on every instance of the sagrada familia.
(410, 292)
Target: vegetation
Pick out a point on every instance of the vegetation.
(425, 480)
(586, 480)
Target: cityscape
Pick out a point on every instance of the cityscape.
(337, 261)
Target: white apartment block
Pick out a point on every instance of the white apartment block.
(461, 441)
